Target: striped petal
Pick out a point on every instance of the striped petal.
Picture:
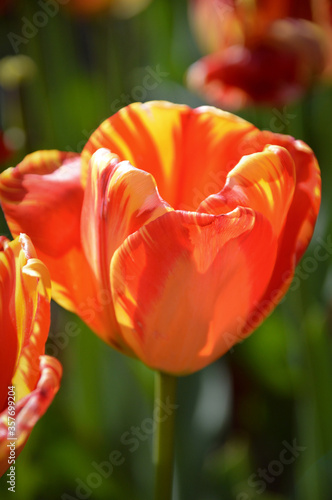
(301, 201)
(9, 340)
(182, 283)
(301, 218)
(306, 200)
(118, 200)
(25, 294)
(188, 151)
(264, 182)
(29, 409)
(24, 315)
(43, 197)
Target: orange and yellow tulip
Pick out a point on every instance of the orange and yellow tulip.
(29, 379)
(259, 52)
(174, 233)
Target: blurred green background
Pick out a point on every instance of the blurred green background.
(235, 418)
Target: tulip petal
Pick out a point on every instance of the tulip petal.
(118, 200)
(301, 218)
(182, 283)
(9, 348)
(29, 409)
(264, 182)
(43, 197)
(306, 201)
(25, 314)
(296, 230)
(188, 151)
(36, 294)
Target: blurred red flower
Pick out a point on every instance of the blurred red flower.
(262, 52)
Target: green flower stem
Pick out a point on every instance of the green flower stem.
(163, 450)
